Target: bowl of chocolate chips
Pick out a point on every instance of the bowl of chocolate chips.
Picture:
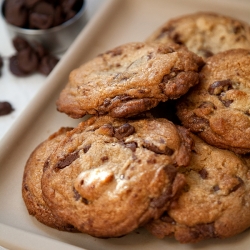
(53, 23)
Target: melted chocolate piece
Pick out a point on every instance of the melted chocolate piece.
(124, 131)
(67, 160)
(150, 146)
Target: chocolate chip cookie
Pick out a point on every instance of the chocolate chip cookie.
(218, 110)
(215, 201)
(110, 176)
(129, 79)
(204, 33)
(31, 186)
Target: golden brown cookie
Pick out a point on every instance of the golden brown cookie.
(129, 79)
(204, 33)
(31, 185)
(110, 176)
(214, 203)
(218, 109)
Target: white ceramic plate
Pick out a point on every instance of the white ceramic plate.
(118, 22)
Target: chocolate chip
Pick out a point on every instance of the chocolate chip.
(115, 52)
(150, 146)
(30, 3)
(131, 145)
(5, 108)
(203, 173)
(86, 148)
(104, 158)
(27, 60)
(14, 67)
(170, 171)
(67, 160)
(207, 104)
(177, 38)
(161, 201)
(205, 231)
(198, 124)
(41, 16)
(206, 53)
(241, 182)
(39, 49)
(216, 188)
(226, 103)
(47, 64)
(218, 87)
(166, 218)
(171, 75)
(124, 130)
(15, 12)
(85, 201)
(20, 43)
(77, 196)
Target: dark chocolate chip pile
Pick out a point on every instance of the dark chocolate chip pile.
(30, 58)
(40, 14)
(5, 108)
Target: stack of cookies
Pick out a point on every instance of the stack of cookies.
(167, 143)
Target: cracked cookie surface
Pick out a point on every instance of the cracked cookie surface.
(31, 184)
(110, 176)
(218, 109)
(129, 79)
(204, 33)
(215, 201)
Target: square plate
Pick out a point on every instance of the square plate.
(116, 23)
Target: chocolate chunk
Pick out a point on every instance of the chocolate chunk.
(15, 12)
(208, 105)
(86, 148)
(150, 146)
(171, 75)
(206, 53)
(205, 231)
(161, 201)
(197, 123)
(131, 145)
(104, 158)
(203, 173)
(216, 188)
(170, 171)
(47, 64)
(77, 196)
(220, 86)
(5, 108)
(241, 182)
(124, 131)
(177, 38)
(166, 218)
(27, 60)
(226, 102)
(115, 52)
(67, 160)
